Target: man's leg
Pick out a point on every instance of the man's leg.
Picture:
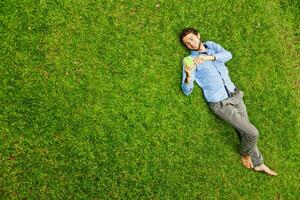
(256, 156)
(234, 112)
(248, 133)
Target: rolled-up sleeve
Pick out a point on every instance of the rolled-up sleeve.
(221, 54)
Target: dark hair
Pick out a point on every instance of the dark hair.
(186, 31)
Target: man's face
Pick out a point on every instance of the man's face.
(192, 41)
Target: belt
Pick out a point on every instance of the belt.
(235, 92)
(231, 94)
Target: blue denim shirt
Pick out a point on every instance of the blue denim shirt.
(211, 76)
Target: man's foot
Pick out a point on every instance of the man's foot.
(265, 169)
(247, 162)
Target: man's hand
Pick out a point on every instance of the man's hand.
(188, 71)
(198, 60)
(208, 58)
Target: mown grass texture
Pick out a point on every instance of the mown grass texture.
(91, 106)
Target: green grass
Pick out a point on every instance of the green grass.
(91, 105)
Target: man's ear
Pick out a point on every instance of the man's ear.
(198, 35)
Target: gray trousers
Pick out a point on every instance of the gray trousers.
(233, 111)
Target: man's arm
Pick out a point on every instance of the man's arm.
(221, 54)
(188, 77)
(202, 58)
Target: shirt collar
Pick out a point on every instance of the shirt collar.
(196, 53)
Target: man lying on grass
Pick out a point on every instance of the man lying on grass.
(206, 66)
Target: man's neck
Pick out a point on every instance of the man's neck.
(201, 47)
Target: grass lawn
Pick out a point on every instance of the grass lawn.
(91, 104)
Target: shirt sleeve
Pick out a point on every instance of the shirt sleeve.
(187, 88)
(221, 54)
